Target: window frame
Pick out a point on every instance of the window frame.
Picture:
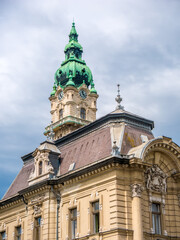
(1, 236)
(95, 213)
(83, 113)
(40, 168)
(73, 219)
(17, 233)
(156, 218)
(37, 228)
(61, 112)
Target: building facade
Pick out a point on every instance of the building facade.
(108, 178)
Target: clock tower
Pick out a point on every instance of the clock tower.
(73, 99)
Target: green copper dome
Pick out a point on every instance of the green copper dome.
(73, 70)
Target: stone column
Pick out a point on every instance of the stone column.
(136, 211)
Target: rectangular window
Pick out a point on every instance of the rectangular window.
(18, 233)
(3, 235)
(37, 228)
(73, 219)
(156, 218)
(95, 213)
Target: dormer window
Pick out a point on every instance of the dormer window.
(40, 167)
(83, 113)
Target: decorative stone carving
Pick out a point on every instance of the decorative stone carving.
(37, 199)
(50, 168)
(136, 190)
(115, 149)
(2, 226)
(18, 220)
(32, 175)
(37, 209)
(156, 179)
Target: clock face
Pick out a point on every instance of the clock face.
(82, 94)
(60, 95)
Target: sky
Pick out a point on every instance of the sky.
(133, 43)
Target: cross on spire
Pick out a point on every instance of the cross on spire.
(119, 99)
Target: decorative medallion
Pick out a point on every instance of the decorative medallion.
(156, 179)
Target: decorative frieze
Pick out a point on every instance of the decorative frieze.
(155, 179)
(137, 190)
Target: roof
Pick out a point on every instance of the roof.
(89, 144)
(21, 181)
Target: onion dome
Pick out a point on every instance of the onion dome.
(73, 67)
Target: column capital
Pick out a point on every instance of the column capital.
(137, 189)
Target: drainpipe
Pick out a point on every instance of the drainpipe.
(25, 202)
(58, 198)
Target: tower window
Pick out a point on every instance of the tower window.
(40, 167)
(73, 219)
(61, 113)
(83, 113)
(95, 213)
(156, 218)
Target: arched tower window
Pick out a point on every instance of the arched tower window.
(40, 167)
(83, 113)
(61, 113)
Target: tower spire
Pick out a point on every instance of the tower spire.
(119, 99)
(73, 34)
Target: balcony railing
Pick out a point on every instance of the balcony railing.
(66, 120)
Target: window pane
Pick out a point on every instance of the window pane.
(95, 209)
(18, 233)
(155, 208)
(40, 168)
(74, 213)
(96, 206)
(39, 221)
(3, 235)
(37, 228)
(61, 113)
(83, 113)
(96, 222)
(74, 228)
(158, 224)
(73, 223)
(156, 218)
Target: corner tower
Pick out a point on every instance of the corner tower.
(73, 99)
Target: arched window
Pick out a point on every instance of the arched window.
(61, 113)
(40, 167)
(83, 113)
